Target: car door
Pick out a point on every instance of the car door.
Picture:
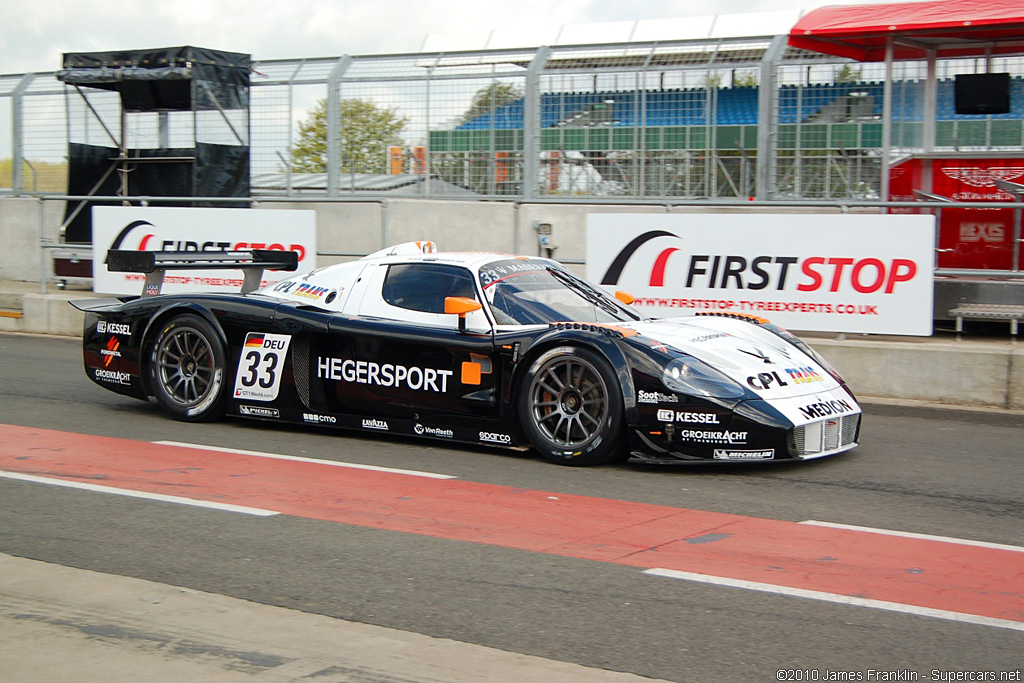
(401, 356)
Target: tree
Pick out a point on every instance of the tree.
(367, 130)
(847, 73)
(744, 79)
(490, 97)
(712, 80)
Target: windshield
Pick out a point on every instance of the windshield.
(535, 293)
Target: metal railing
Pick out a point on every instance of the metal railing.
(714, 119)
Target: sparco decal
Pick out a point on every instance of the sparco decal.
(433, 431)
(826, 408)
(383, 375)
(375, 424)
(259, 411)
(655, 397)
(768, 271)
(492, 437)
(680, 416)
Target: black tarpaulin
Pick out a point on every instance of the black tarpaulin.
(174, 78)
(211, 85)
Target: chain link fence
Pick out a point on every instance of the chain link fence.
(721, 119)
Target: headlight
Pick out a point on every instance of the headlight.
(691, 376)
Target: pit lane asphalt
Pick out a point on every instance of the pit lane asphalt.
(952, 473)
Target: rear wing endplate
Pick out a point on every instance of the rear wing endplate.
(252, 263)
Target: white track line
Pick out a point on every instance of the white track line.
(295, 458)
(908, 534)
(225, 507)
(839, 599)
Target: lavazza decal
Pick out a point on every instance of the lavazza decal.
(201, 230)
(834, 273)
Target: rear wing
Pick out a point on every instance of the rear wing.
(252, 263)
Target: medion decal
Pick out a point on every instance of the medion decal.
(826, 408)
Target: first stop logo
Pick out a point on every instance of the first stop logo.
(766, 272)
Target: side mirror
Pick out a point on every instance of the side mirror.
(625, 297)
(460, 306)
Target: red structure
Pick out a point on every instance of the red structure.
(978, 250)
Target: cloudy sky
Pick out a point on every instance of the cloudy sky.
(34, 33)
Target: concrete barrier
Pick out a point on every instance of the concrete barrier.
(969, 373)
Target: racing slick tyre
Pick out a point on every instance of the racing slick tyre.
(186, 369)
(570, 407)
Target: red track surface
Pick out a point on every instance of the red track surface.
(986, 582)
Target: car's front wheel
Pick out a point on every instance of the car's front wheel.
(186, 369)
(570, 407)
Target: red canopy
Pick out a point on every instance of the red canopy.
(954, 28)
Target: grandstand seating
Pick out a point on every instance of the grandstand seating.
(733, 106)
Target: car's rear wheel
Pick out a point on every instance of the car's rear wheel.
(570, 407)
(186, 369)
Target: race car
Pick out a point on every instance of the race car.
(491, 349)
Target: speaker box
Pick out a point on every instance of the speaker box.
(980, 94)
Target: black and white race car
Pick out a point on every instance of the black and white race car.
(506, 351)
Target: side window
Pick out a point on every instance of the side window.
(424, 286)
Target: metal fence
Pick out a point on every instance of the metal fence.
(725, 119)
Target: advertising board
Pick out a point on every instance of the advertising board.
(980, 238)
(197, 229)
(830, 273)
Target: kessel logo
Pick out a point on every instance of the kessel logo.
(666, 415)
(104, 327)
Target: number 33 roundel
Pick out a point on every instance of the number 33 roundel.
(259, 368)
